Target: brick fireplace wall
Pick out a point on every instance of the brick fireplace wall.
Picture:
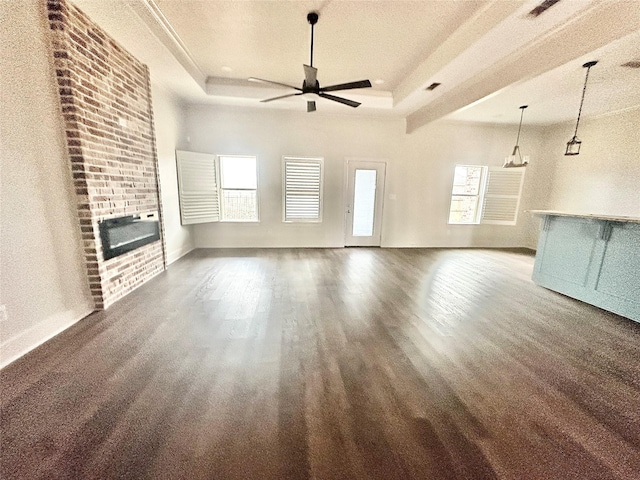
(105, 100)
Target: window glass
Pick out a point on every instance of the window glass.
(239, 183)
(238, 172)
(463, 209)
(465, 194)
(466, 180)
(364, 202)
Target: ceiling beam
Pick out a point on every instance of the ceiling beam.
(594, 28)
(490, 14)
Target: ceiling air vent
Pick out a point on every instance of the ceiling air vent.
(433, 86)
(632, 64)
(543, 7)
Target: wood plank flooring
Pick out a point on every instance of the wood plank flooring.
(332, 364)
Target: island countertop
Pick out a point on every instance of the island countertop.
(610, 218)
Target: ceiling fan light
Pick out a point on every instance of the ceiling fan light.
(573, 146)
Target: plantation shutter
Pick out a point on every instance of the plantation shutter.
(302, 189)
(197, 188)
(502, 196)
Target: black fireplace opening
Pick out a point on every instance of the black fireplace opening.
(124, 234)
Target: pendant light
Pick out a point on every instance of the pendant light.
(510, 161)
(573, 145)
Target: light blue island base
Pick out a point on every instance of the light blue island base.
(592, 258)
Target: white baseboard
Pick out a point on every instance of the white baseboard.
(178, 254)
(21, 344)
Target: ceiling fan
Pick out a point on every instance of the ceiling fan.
(310, 83)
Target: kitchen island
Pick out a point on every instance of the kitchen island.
(593, 258)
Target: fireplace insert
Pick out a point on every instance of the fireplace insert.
(123, 234)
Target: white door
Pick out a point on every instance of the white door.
(365, 194)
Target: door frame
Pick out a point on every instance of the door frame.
(383, 188)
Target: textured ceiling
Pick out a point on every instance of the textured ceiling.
(489, 55)
(555, 96)
(353, 40)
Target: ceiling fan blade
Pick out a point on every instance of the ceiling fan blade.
(281, 96)
(310, 75)
(347, 86)
(311, 106)
(260, 80)
(351, 103)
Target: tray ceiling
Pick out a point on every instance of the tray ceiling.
(490, 56)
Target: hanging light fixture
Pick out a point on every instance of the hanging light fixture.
(510, 161)
(573, 145)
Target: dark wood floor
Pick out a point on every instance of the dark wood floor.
(343, 364)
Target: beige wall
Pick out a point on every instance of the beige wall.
(270, 135)
(605, 177)
(419, 175)
(42, 276)
(422, 175)
(168, 115)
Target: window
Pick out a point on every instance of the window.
(465, 196)
(213, 188)
(302, 189)
(483, 194)
(238, 188)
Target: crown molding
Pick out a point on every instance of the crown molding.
(159, 25)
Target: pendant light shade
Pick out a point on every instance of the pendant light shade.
(573, 145)
(513, 160)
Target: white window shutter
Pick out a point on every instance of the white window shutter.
(302, 190)
(502, 196)
(197, 188)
